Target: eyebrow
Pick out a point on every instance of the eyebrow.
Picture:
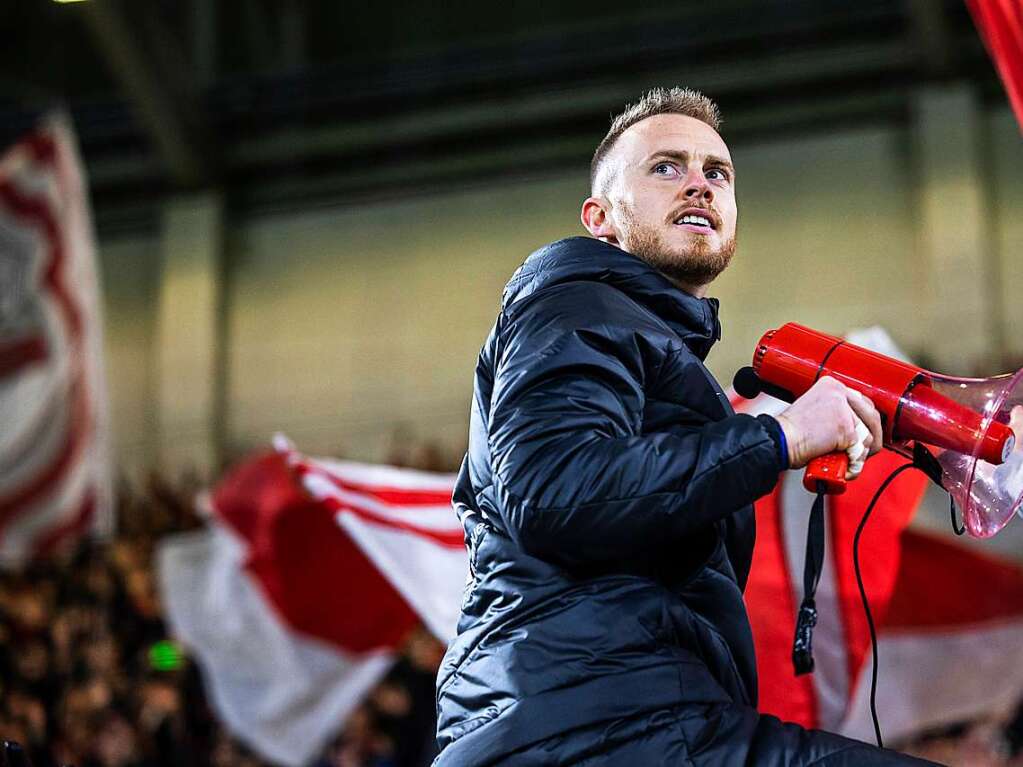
(675, 154)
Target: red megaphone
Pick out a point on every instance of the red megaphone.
(966, 419)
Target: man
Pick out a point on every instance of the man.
(606, 494)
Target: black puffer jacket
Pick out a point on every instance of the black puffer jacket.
(606, 497)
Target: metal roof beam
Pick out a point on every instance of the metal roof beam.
(167, 106)
(929, 35)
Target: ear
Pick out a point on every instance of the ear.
(595, 218)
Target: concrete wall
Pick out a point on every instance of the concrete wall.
(129, 273)
(343, 327)
(347, 325)
(1004, 150)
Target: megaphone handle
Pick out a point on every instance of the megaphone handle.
(828, 469)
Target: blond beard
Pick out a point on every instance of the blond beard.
(694, 266)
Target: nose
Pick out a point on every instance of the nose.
(697, 187)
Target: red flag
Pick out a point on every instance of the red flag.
(298, 555)
(1000, 23)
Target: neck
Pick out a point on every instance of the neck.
(699, 291)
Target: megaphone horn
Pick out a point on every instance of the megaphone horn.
(972, 423)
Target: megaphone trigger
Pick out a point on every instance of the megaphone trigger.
(827, 474)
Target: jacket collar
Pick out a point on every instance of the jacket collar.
(586, 259)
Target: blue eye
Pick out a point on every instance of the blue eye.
(716, 174)
(664, 169)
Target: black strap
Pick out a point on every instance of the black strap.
(802, 644)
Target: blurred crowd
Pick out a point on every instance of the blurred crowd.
(89, 676)
(989, 742)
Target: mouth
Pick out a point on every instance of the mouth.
(696, 220)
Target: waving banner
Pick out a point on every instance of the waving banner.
(54, 471)
(301, 591)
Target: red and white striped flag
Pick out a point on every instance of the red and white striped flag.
(54, 471)
(308, 579)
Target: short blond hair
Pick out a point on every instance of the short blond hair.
(659, 101)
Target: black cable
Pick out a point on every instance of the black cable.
(863, 596)
(952, 512)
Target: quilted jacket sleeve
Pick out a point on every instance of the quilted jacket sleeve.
(576, 479)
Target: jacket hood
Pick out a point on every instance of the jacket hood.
(584, 259)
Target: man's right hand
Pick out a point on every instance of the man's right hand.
(824, 421)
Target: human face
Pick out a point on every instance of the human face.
(666, 169)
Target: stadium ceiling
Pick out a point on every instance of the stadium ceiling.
(283, 103)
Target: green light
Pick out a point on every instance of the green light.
(165, 655)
